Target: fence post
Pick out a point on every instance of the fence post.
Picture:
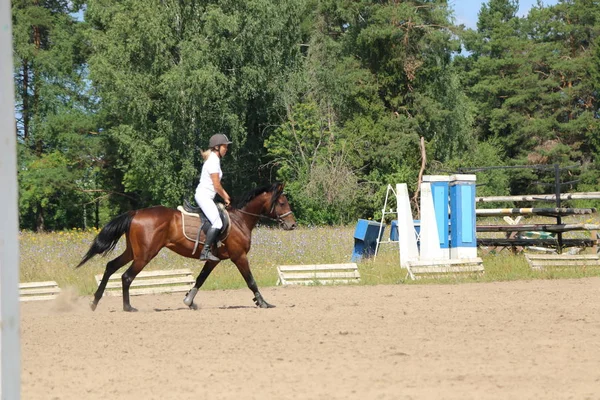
(10, 366)
(558, 217)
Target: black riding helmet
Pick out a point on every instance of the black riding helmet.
(218, 139)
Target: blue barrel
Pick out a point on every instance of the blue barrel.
(395, 236)
(365, 239)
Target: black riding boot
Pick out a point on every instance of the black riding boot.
(211, 238)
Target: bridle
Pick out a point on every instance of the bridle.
(279, 218)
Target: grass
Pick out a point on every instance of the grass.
(53, 256)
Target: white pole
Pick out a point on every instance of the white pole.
(430, 239)
(10, 372)
(407, 240)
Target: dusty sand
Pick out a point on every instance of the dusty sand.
(510, 340)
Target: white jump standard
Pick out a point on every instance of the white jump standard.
(444, 248)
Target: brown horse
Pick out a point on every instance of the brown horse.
(150, 229)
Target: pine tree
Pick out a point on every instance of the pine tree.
(54, 112)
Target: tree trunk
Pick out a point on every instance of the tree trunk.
(38, 42)
(25, 95)
(39, 220)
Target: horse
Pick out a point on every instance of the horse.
(148, 230)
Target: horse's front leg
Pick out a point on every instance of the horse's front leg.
(244, 267)
(206, 270)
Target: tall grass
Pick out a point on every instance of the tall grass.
(53, 256)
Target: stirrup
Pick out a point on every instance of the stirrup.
(208, 255)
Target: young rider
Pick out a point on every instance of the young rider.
(209, 186)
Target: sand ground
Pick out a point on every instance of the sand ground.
(511, 340)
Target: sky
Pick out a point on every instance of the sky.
(465, 11)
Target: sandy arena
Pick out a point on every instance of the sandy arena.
(510, 340)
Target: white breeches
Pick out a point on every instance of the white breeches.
(210, 210)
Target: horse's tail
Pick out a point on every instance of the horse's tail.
(109, 236)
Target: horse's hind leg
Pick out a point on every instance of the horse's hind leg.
(111, 268)
(244, 267)
(206, 270)
(127, 278)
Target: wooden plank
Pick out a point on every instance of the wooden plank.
(541, 261)
(50, 290)
(563, 257)
(151, 282)
(537, 227)
(508, 242)
(37, 298)
(26, 285)
(554, 212)
(449, 262)
(321, 282)
(580, 263)
(540, 197)
(148, 290)
(114, 284)
(444, 268)
(286, 268)
(37, 291)
(149, 274)
(321, 274)
(447, 269)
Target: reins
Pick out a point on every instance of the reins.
(278, 219)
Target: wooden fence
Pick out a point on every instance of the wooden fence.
(520, 235)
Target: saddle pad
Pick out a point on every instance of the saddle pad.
(191, 222)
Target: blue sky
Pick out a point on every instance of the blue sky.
(465, 11)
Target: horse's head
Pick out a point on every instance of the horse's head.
(280, 208)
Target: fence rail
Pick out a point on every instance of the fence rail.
(538, 227)
(514, 233)
(541, 197)
(548, 212)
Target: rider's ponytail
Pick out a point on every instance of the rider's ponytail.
(205, 154)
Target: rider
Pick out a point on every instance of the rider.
(209, 186)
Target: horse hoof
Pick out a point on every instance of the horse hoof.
(93, 305)
(129, 309)
(189, 297)
(261, 303)
(193, 306)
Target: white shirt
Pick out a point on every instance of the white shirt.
(212, 165)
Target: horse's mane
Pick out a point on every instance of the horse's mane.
(273, 189)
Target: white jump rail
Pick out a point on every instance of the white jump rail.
(36, 291)
(151, 282)
(319, 274)
(418, 270)
(543, 261)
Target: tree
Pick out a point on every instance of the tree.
(171, 74)
(54, 112)
(376, 78)
(531, 81)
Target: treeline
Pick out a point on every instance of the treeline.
(115, 100)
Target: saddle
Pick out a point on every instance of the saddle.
(195, 224)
